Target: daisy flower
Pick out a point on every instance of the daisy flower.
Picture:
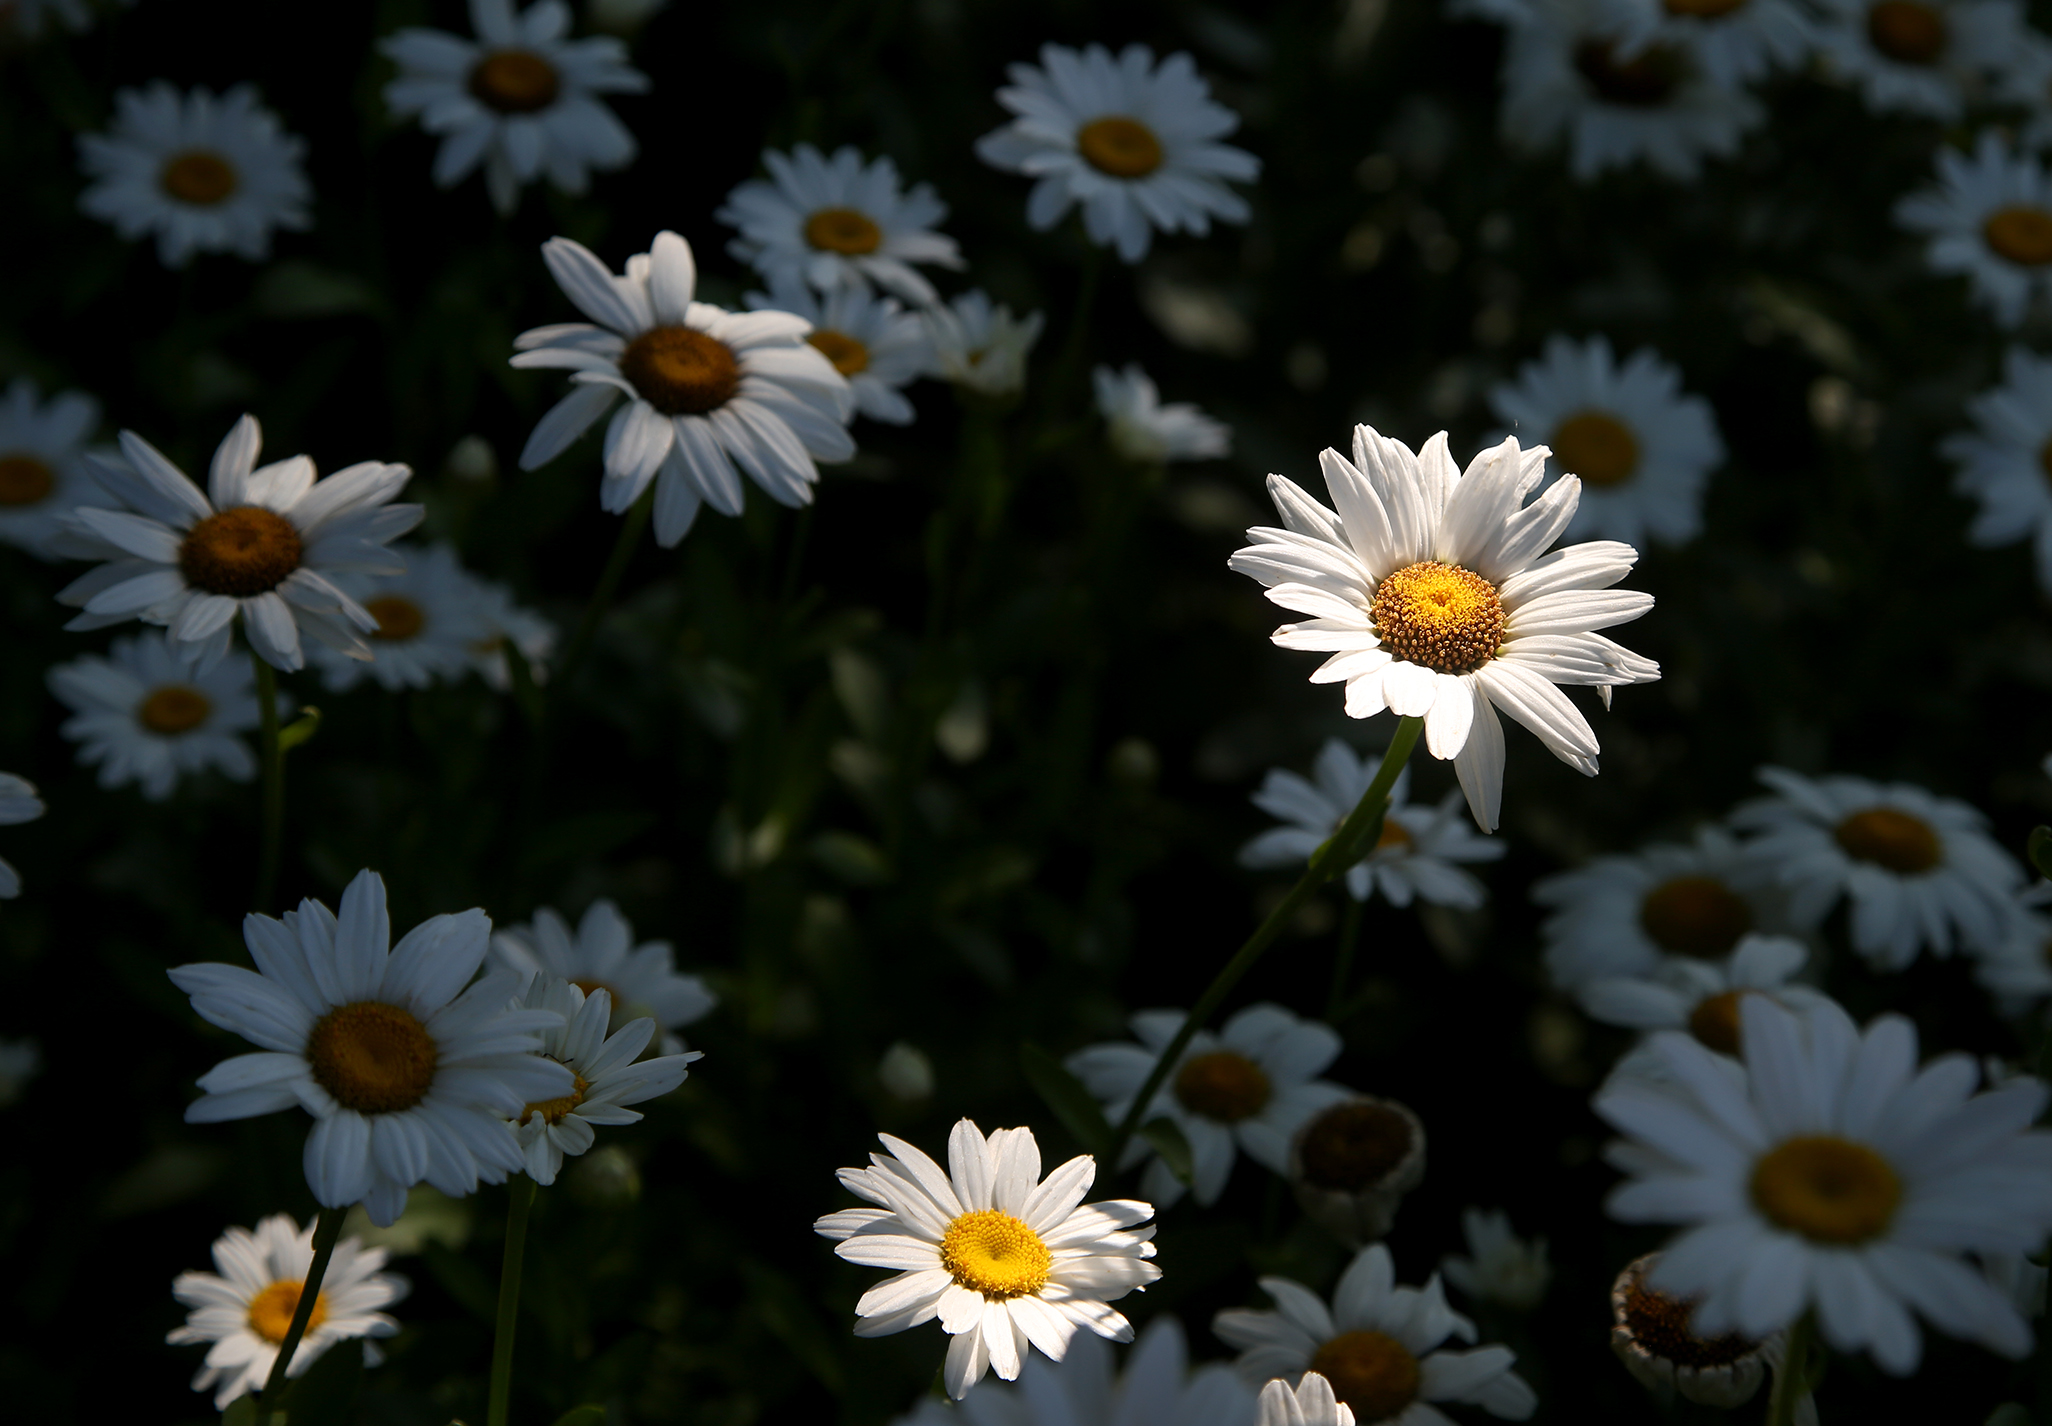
(1927, 57)
(2005, 463)
(431, 618)
(1310, 1404)
(242, 1312)
(1001, 1258)
(1733, 41)
(1832, 1175)
(143, 716)
(601, 954)
(979, 346)
(1379, 1345)
(1135, 144)
(18, 804)
(206, 173)
(42, 463)
(1429, 589)
(507, 623)
(838, 223)
(1703, 996)
(26, 18)
(1248, 1087)
(257, 549)
(409, 1076)
(1989, 218)
(1416, 855)
(1920, 871)
(520, 98)
(1499, 1266)
(1352, 1163)
(711, 394)
(879, 346)
(1652, 1335)
(1144, 430)
(1643, 450)
(2017, 968)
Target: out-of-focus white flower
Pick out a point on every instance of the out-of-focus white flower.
(1929, 57)
(602, 954)
(1989, 217)
(18, 804)
(879, 346)
(981, 346)
(1734, 41)
(1352, 1163)
(20, 1062)
(905, 1072)
(43, 472)
(507, 623)
(1499, 1266)
(2005, 463)
(431, 619)
(1144, 430)
(144, 716)
(1702, 996)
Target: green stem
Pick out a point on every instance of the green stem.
(273, 757)
(1344, 848)
(1791, 1382)
(521, 1192)
(327, 1229)
(1075, 345)
(602, 593)
(1343, 962)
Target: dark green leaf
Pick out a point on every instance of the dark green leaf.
(586, 1415)
(462, 1279)
(299, 729)
(1167, 1137)
(326, 1395)
(1066, 1096)
(240, 1412)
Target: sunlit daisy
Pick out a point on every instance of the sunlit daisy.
(42, 463)
(837, 223)
(1144, 430)
(879, 346)
(1733, 41)
(2005, 464)
(1135, 144)
(506, 622)
(601, 954)
(409, 1076)
(711, 394)
(241, 1313)
(1990, 218)
(1415, 857)
(1002, 1259)
(18, 804)
(1380, 1345)
(206, 173)
(144, 716)
(1499, 1266)
(1352, 1163)
(1311, 1403)
(1430, 590)
(1651, 1333)
(520, 98)
(1702, 996)
(981, 346)
(431, 619)
(1928, 57)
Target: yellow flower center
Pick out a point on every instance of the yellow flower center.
(24, 480)
(1660, 1324)
(1222, 1085)
(199, 177)
(174, 709)
(848, 354)
(2021, 233)
(399, 618)
(241, 552)
(1371, 1372)
(680, 371)
(270, 1311)
(1596, 446)
(1439, 615)
(1695, 916)
(515, 82)
(1890, 839)
(1906, 32)
(553, 1110)
(1644, 81)
(995, 1254)
(1353, 1146)
(373, 1057)
(843, 230)
(1827, 1189)
(1119, 146)
(1704, 9)
(1715, 1021)
(1393, 835)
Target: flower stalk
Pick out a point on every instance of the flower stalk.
(521, 1193)
(327, 1230)
(1792, 1377)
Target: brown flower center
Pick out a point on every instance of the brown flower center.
(1119, 146)
(1645, 81)
(1371, 1372)
(1353, 1146)
(270, 1311)
(515, 82)
(199, 177)
(1704, 9)
(1596, 446)
(24, 480)
(1223, 1085)
(995, 1254)
(553, 1110)
(1695, 916)
(174, 709)
(1660, 1324)
(2022, 234)
(399, 618)
(848, 354)
(1828, 1189)
(1393, 835)
(1439, 615)
(680, 371)
(1891, 839)
(843, 230)
(1715, 1021)
(240, 552)
(373, 1057)
(1906, 32)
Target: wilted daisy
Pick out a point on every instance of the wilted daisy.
(1430, 590)
(2005, 463)
(42, 463)
(1311, 1403)
(18, 804)
(1144, 430)
(1652, 1335)
(839, 223)
(1703, 996)
(1928, 57)
(1352, 1163)
(1990, 218)
(144, 716)
(520, 98)
(1415, 857)
(206, 173)
(1001, 1258)
(1733, 41)
(1643, 449)
(1920, 871)
(981, 346)
(1833, 1175)
(601, 954)
(242, 1312)
(507, 623)
(257, 549)
(1499, 1266)
(711, 394)
(409, 1076)
(431, 619)
(879, 346)
(1380, 1345)
(1135, 144)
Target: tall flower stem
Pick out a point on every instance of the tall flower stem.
(608, 585)
(1343, 959)
(521, 1192)
(1791, 1378)
(273, 756)
(327, 1228)
(1342, 850)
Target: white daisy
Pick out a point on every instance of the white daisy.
(1137, 146)
(1828, 1173)
(1001, 1258)
(1499, 1266)
(1920, 871)
(1429, 589)
(838, 223)
(205, 173)
(409, 1076)
(1416, 855)
(2005, 464)
(1310, 1404)
(256, 549)
(1652, 1335)
(26, 18)
(18, 804)
(1928, 57)
(508, 623)
(2017, 969)
(710, 393)
(42, 463)
(601, 954)
(1643, 450)
(1990, 218)
(1144, 430)
(981, 346)
(2026, 81)
(1734, 41)
(879, 346)
(1378, 1344)
(242, 1312)
(1702, 996)
(431, 619)
(20, 1062)
(144, 716)
(520, 98)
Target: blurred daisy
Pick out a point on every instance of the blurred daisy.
(431, 618)
(42, 463)
(18, 804)
(257, 549)
(1651, 1333)
(1135, 144)
(1833, 1176)
(838, 223)
(27, 18)
(1144, 430)
(1379, 1345)
(1352, 1163)
(505, 622)
(1499, 1266)
(979, 346)
(1429, 589)
(1002, 1259)
(1928, 57)
(1732, 41)
(1643, 450)
(1703, 996)
(206, 173)
(1247, 1088)
(2005, 464)
(711, 394)
(1416, 855)
(143, 716)
(520, 98)
(879, 346)
(242, 1312)
(1989, 218)
(20, 1062)
(408, 1075)
(601, 955)
(1920, 871)
(1310, 1404)
(2017, 968)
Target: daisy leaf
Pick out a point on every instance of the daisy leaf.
(1066, 1096)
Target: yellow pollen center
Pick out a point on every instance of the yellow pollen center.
(1119, 146)
(1828, 1189)
(199, 177)
(1353, 1146)
(1906, 32)
(174, 709)
(1439, 615)
(1598, 447)
(1371, 1372)
(515, 82)
(1393, 835)
(1222, 1085)
(1645, 81)
(1695, 916)
(848, 354)
(1715, 1021)
(1891, 839)
(373, 1057)
(1660, 1324)
(241, 552)
(844, 231)
(270, 1311)
(399, 618)
(24, 480)
(995, 1254)
(2021, 233)
(681, 372)
(553, 1110)
(1703, 9)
